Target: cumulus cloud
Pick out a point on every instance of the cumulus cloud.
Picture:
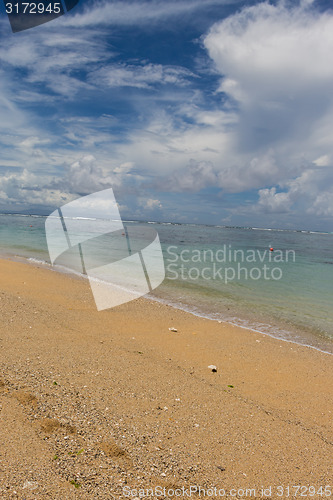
(261, 170)
(193, 178)
(25, 189)
(86, 175)
(83, 176)
(323, 204)
(267, 49)
(274, 66)
(272, 202)
(309, 192)
(151, 204)
(274, 62)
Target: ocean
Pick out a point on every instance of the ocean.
(278, 282)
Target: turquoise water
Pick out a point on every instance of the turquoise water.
(219, 272)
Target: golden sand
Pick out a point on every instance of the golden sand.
(101, 404)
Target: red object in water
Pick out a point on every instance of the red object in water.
(272, 249)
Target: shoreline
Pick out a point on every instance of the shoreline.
(248, 328)
(104, 400)
(187, 309)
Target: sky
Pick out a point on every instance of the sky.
(200, 111)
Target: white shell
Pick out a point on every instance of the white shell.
(213, 368)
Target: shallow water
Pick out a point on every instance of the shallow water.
(226, 273)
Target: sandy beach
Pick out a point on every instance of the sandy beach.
(104, 404)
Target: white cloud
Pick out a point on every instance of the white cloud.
(310, 192)
(25, 189)
(124, 168)
(151, 204)
(269, 49)
(272, 202)
(32, 141)
(86, 176)
(140, 76)
(323, 161)
(322, 205)
(137, 13)
(193, 178)
(261, 170)
(274, 62)
(52, 59)
(83, 176)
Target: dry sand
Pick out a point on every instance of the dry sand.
(98, 404)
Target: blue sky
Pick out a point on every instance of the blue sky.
(215, 111)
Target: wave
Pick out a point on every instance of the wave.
(82, 218)
(168, 223)
(25, 215)
(262, 328)
(33, 260)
